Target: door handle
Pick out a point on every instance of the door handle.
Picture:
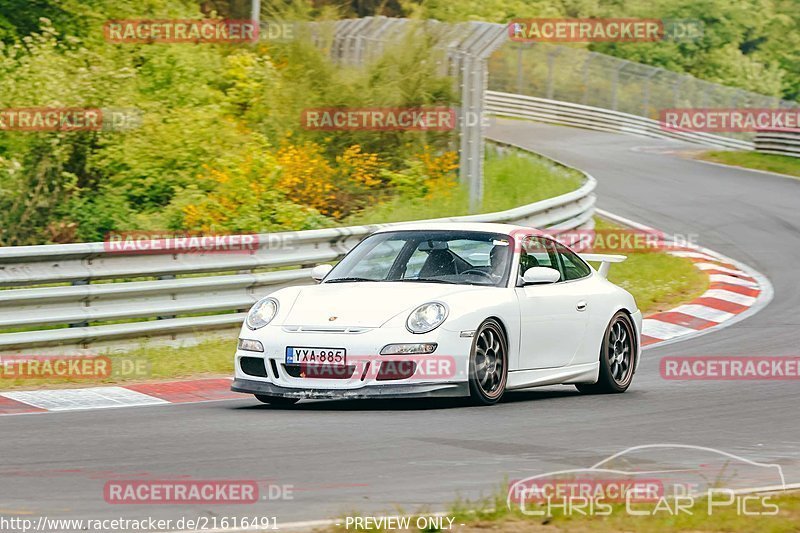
(582, 305)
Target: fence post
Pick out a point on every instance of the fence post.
(551, 58)
(585, 73)
(615, 84)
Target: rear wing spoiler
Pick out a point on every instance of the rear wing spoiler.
(605, 261)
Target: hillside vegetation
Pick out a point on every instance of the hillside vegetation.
(219, 145)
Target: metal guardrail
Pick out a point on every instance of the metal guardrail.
(557, 112)
(581, 76)
(778, 142)
(219, 286)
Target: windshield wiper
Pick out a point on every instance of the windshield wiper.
(428, 280)
(342, 280)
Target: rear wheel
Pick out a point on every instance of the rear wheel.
(488, 364)
(276, 400)
(617, 358)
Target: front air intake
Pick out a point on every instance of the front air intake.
(253, 366)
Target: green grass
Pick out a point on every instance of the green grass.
(503, 189)
(658, 281)
(782, 164)
(149, 363)
(517, 179)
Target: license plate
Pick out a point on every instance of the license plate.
(296, 355)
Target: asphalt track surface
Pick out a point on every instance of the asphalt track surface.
(374, 456)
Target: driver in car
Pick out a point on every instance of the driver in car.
(498, 260)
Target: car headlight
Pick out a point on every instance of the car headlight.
(262, 313)
(426, 317)
(409, 348)
(251, 345)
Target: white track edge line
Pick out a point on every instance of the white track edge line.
(737, 167)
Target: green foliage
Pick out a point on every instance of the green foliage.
(211, 110)
(206, 111)
(782, 164)
(752, 44)
(511, 180)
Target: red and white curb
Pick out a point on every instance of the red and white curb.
(140, 394)
(735, 292)
(731, 292)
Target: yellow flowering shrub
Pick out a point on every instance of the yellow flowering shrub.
(298, 187)
(362, 169)
(439, 169)
(306, 177)
(241, 195)
(438, 166)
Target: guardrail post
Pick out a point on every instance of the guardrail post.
(165, 317)
(646, 94)
(80, 324)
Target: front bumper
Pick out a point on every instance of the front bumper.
(285, 380)
(412, 390)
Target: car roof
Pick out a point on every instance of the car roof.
(490, 227)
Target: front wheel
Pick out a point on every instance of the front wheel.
(617, 358)
(488, 364)
(276, 400)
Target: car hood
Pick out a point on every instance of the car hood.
(363, 304)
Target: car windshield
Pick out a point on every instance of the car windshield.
(445, 256)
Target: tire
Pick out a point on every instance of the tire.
(617, 358)
(276, 400)
(488, 364)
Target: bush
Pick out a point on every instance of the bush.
(220, 146)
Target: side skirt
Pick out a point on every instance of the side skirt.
(585, 373)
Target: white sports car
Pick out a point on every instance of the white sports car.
(443, 309)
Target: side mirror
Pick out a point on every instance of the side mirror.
(540, 275)
(320, 271)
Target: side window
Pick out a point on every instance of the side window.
(574, 266)
(536, 252)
